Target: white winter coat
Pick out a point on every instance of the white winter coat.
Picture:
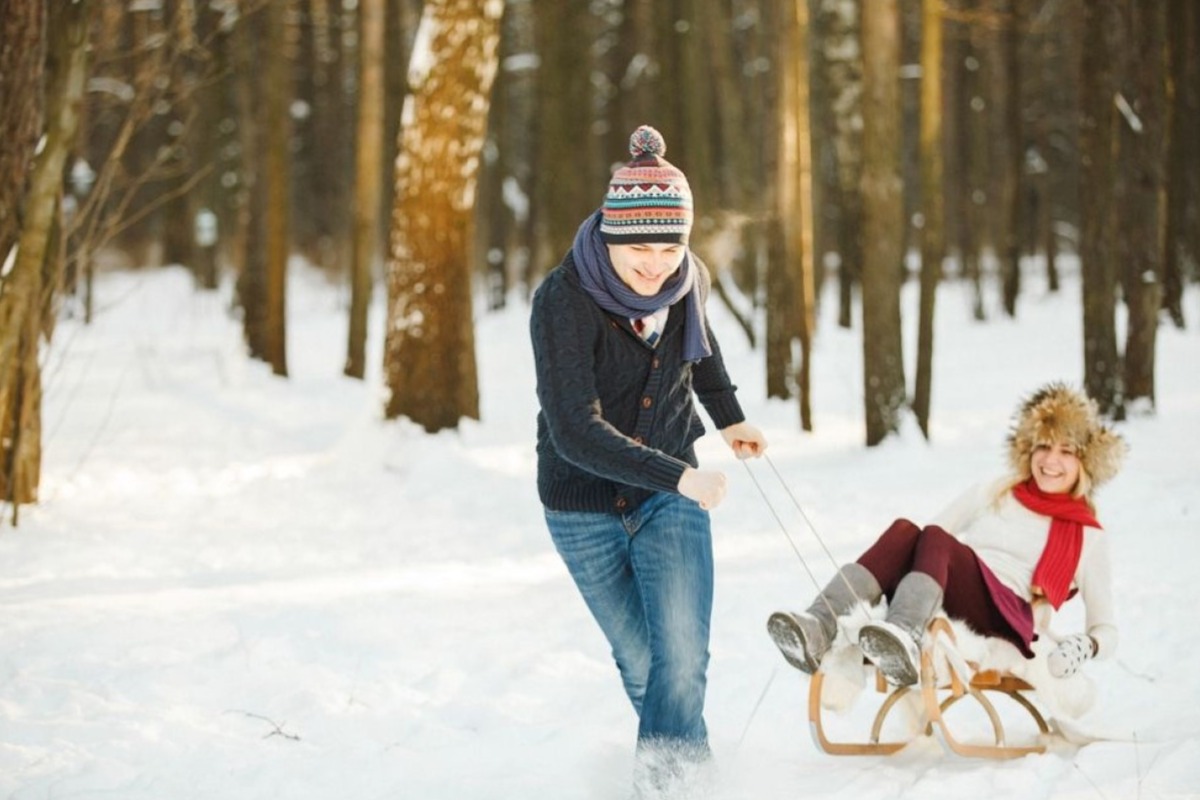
(1009, 538)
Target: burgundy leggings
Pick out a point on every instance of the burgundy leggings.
(905, 548)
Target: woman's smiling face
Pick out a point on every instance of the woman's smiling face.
(646, 267)
(1055, 467)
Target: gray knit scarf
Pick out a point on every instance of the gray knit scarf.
(604, 286)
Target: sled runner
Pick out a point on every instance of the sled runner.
(934, 696)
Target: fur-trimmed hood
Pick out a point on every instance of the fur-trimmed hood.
(1058, 413)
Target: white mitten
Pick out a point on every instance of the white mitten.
(1066, 659)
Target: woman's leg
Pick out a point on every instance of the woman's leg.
(805, 637)
(955, 567)
(943, 572)
(905, 548)
(902, 559)
(891, 557)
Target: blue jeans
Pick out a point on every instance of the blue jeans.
(647, 577)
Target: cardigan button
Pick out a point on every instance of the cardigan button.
(655, 362)
(647, 401)
(639, 440)
(621, 503)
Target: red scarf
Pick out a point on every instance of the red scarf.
(1068, 515)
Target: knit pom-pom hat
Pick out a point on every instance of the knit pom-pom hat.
(648, 199)
(1058, 413)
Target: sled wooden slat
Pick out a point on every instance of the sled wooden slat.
(936, 700)
(981, 681)
(874, 747)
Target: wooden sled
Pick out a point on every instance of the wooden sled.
(936, 699)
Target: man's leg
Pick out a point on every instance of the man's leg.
(673, 567)
(595, 547)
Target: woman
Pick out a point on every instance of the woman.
(988, 554)
(621, 343)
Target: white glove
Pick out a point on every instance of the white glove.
(1068, 657)
(705, 486)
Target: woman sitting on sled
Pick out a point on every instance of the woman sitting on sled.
(987, 555)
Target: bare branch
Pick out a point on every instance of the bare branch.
(278, 727)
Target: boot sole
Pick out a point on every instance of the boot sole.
(885, 650)
(791, 642)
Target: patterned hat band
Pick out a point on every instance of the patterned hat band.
(648, 199)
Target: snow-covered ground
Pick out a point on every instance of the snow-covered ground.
(240, 586)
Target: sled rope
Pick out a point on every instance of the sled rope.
(861, 604)
(754, 711)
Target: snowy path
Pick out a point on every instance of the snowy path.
(244, 587)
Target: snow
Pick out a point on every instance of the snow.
(10, 260)
(242, 586)
(421, 62)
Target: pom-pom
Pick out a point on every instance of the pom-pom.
(646, 141)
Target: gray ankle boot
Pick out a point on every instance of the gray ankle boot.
(894, 644)
(805, 637)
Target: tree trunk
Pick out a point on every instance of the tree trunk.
(277, 135)
(798, 202)
(176, 235)
(827, 190)
(783, 285)
(22, 61)
(247, 251)
(932, 236)
(1190, 86)
(402, 19)
(22, 58)
(1008, 235)
(780, 306)
(368, 167)
(1035, 198)
(636, 68)
(883, 225)
(842, 59)
(321, 193)
(733, 165)
(693, 87)
(1183, 163)
(516, 145)
(1059, 86)
(429, 357)
(962, 215)
(953, 80)
(566, 142)
(1097, 246)
(26, 291)
(207, 210)
(1143, 204)
(976, 157)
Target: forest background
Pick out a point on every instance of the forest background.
(448, 150)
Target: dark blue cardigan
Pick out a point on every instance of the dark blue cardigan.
(617, 420)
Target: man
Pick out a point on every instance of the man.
(621, 343)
